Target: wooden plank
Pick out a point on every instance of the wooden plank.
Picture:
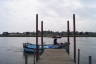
(55, 56)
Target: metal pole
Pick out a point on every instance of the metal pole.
(74, 29)
(68, 36)
(42, 36)
(78, 56)
(37, 47)
(90, 60)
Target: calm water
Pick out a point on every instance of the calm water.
(11, 51)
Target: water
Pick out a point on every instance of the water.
(11, 50)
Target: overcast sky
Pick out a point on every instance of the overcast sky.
(19, 15)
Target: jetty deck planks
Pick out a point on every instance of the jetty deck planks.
(55, 56)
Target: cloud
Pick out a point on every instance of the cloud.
(19, 15)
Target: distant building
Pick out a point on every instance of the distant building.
(15, 34)
(5, 33)
(27, 33)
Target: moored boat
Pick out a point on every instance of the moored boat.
(31, 48)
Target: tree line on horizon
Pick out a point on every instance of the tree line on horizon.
(48, 34)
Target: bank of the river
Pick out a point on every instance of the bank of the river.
(51, 36)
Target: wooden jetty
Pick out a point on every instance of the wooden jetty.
(55, 56)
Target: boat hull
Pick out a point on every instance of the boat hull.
(31, 48)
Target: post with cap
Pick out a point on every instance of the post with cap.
(37, 47)
(68, 39)
(74, 34)
(42, 44)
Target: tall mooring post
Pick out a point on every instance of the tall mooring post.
(74, 31)
(42, 36)
(68, 40)
(37, 47)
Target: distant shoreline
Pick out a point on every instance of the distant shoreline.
(47, 36)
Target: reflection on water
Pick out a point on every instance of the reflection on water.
(29, 58)
(11, 50)
(26, 58)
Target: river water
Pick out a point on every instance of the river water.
(11, 50)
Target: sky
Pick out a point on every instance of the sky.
(20, 15)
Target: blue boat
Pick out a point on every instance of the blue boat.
(28, 47)
(31, 48)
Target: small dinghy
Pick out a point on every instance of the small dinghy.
(28, 47)
(31, 48)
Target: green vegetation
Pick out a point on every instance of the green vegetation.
(48, 34)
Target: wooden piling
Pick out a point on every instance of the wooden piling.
(74, 31)
(26, 58)
(68, 36)
(90, 60)
(42, 36)
(37, 47)
(34, 61)
(78, 56)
